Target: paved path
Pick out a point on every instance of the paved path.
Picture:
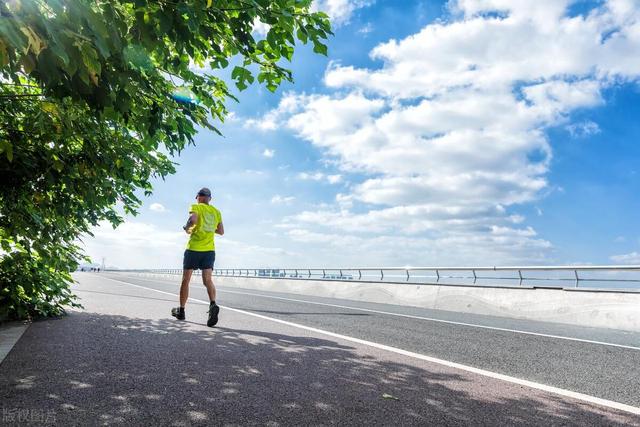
(124, 360)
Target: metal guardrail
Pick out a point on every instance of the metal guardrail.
(611, 277)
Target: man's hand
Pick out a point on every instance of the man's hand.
(193, 219)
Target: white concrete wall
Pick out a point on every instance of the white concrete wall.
(616, 310)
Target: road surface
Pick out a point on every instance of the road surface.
(283, 359)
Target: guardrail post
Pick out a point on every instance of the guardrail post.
(577, 278)
(519, 275)
(475, 278)
(407, 275)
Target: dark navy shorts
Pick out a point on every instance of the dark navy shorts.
(194, 260)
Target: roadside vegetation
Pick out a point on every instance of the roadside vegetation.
(96, 96)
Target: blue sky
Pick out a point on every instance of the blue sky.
(470, 132)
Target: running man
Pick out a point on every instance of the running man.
(204, 221)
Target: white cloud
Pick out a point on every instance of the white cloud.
(268, 153)
(260, 28)
(289, 103)
(630, 258)
(311, 176)
(234, 253)
(583, 129)
(282, 200)
(157, 207)
(393, 250)
(136, 245)
(334, 179)
(319, 176)
(452, 125)
(143, 245)
(339, 11)
(366, 29)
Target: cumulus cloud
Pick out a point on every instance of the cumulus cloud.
(136, 245)
(157, 207)
(339, 11)
(392, 250)
(282, 200)
(143, 245)
(630, 258)
(268, 153)
(449, 130)
(235, 253)
(366, 29)
(583, 129)
(319, 176)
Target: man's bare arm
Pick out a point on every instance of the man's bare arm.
(193, 219)
(220, 229)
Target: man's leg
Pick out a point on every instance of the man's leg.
(187, 271)
(214, 310)
(178, 312)
(184, 287)
(207, 280)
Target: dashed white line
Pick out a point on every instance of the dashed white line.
(490, 374)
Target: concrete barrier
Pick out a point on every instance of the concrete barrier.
(601, 309)
(616, 310)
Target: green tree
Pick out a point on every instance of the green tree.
(88, 109)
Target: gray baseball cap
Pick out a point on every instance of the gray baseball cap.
(204, 191)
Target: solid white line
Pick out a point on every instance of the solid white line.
(495, 375)
(440, 320)
(431, 319)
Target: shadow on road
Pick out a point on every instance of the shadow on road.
(93, 369)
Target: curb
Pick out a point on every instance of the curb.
(10, 333)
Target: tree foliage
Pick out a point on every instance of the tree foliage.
(87, 117)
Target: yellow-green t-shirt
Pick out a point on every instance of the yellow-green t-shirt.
(201, 239)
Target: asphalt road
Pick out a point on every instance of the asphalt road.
(123, 359)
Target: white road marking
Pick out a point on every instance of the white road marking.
(490, 374)
(430, 319)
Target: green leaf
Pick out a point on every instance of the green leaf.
(241, 75)
(301, 33)
(7, 148)
(4, 54)
(28, 63)
(320, 48)
(59, 51)
(35, 44)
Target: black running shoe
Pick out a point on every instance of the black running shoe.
(178, 313)
(213, 314)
